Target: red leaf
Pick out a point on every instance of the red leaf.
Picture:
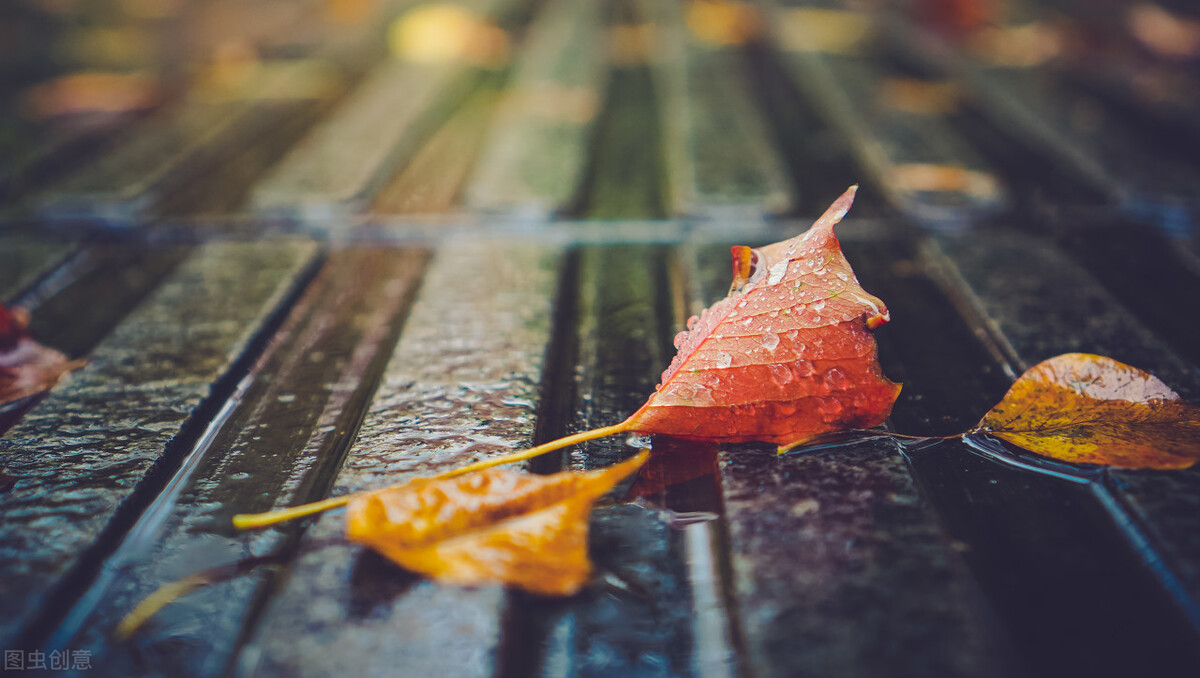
(26, 367)
(786, 356)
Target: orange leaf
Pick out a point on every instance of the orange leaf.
(786, 356)
(489, 526)
(1091, 409)
(26, 367)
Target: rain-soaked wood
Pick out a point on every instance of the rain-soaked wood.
(1039, 546)
(839, 564)
(339, 167)
(82, 454)
(432, 181)
(280, 446)
(624, 175)
(636, 618)
(1037, 303)
(533, 163)
(1137, 167)
(895, 124)
(719, 158)
(162, 156)
(24, 259)
(463, 383)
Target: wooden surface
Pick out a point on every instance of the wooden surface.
(412, 262)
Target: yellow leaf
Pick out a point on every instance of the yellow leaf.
(491, 526)
(1091, 409)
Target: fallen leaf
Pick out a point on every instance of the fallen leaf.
(26, 367)
(786, 356)
(1092, 409)
(492, 526)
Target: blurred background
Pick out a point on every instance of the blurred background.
(951, 112)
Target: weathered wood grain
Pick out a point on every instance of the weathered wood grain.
(720, 161)
(81, 455)
(1037, 304)
(24, 259)
(290, 431)
(533, 163)
(463, 383)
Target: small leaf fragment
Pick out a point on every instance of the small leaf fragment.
(491, 526)
(1085, 408)
(26, 367)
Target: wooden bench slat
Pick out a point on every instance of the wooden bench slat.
(1038, 546)
(533, 163)
(80, 455)
(157, 159)
(24, 259)
(895, 125)
(720, 160)
(637, 619)
(1041, 304)
(339, 167)
(432, 181)
(462, 384)
(279, 447)
(1068, 127)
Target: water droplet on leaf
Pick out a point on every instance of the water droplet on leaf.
(835, 379)
(770, 341)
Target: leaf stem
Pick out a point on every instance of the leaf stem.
(253, 521)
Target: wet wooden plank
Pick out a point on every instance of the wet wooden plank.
(47, 154)
(340, 166)
(281, 446)
(1135, 166)
(637, 618)
(24, 259)
(533, 163)
(463, 383)
(82, 454)
(1038, 546)
(720, 159)
(1037, 304)
(624, 177)
(432, 181)
(865, 581)
(895, 124)
(158, 159)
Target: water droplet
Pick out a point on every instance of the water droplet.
(792, 334)
(818, 305)
(835, 379)
(642, 442)
(776, 272)
(770, 341)
(684, 392)
(742, 304)
(748, 321)
(703, 397)
(803, 368)
(722, 360)
(692, 322)
(829, 408)
(781, 374)
(843, 277)
(680, 338)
